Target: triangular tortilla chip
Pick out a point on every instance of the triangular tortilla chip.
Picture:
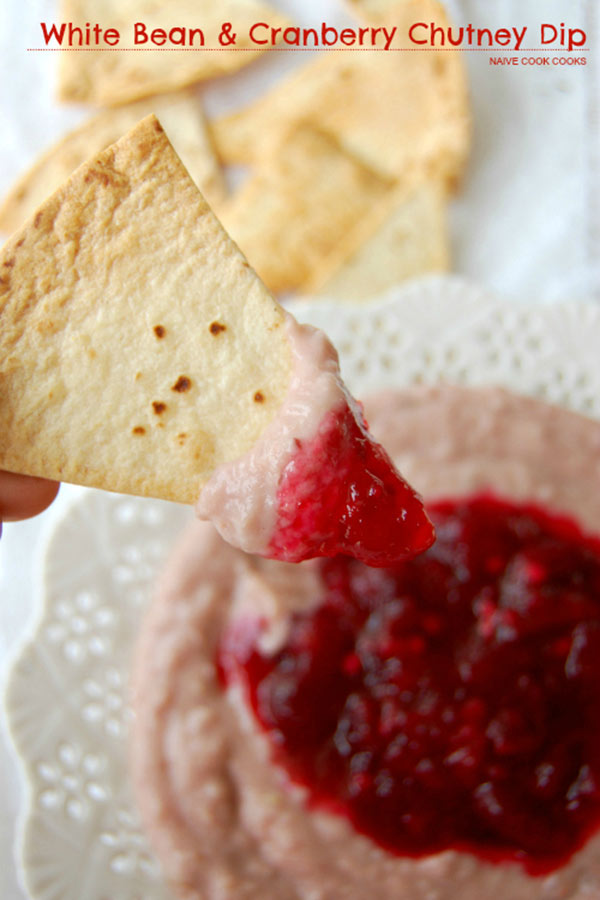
(404, 237)
(181, 116)
(304, 198)
(112, 76)
(138, 350)
(398, 112)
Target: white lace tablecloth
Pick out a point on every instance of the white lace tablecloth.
(526, 226)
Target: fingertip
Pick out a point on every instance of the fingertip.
(23, 496)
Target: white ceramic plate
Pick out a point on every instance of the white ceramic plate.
(67, 694)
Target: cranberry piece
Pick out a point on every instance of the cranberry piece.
(449, 701)
(341, 494)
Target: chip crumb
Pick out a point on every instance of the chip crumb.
(158, 407)
(138, 375)
(259, 397)
(159, 331)
(182, 384)
(139, 429)
(216, 328)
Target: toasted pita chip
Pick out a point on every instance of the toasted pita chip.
(305, 197)
(180, 115)
(401, 113)
(406, 236)
(119, 75)
(134, 338)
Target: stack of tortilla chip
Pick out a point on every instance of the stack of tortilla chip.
(117, 79)
(351, 160)
(397, 127)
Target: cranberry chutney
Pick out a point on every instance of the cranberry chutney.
(451, 701)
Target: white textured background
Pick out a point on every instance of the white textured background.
(527, 223)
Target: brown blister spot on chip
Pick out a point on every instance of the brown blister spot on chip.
(37, 220)
(182, 384)
(139, 429)
(20, 242)
(216, 328)
(9, 263)
(159, 331)
(259, 397)
(158, 407)
(181, 438)
(158, 127)
(138, 375)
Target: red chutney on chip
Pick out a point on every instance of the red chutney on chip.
(448, 702)
(341, 494)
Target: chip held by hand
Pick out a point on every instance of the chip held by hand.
(140, 353)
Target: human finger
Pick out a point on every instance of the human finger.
(22, 496)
